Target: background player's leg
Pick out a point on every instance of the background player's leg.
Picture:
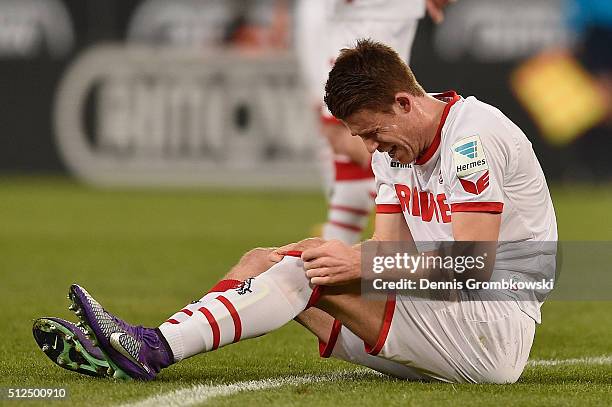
(352, 195)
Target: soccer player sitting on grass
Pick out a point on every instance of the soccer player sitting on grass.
(447, 169)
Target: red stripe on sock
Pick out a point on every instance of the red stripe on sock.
(350, 171)
(213, 326)
(186, 311)
(172, 321)
(294, 253)
(356, 211)
(346, 226)
(225, 285)
(234, 315)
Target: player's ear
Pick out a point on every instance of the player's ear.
(402, 99)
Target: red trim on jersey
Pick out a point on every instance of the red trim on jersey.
(346, 226)
(224, 285)
(384, 330)
(351, 171)
(235, 317)
(294, 253)
(327, 119)
(186, 311)
(388, 208)
(491, 207)
(326, 348)
(172, 321)
(315, 296)
(452, 95)
(356, 211)
(214, 326)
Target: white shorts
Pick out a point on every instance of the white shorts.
(399, 35)
(458, 342)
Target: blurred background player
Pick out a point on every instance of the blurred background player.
(323, 28)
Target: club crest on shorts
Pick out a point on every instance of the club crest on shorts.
(469, 156)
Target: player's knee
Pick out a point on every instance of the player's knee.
(257, 256)
(252, 263)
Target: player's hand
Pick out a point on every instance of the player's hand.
(435, 9)
(278, 254)
(332, 263)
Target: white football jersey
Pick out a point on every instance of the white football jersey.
(479, 161)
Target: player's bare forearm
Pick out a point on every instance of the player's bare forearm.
(336, 263)
(477, 234)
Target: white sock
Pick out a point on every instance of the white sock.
(259, 305)
(350, 206)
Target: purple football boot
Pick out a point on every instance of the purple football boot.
(68, 346)
(132, 351)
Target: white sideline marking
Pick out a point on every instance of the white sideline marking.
(201, 393)
(599, 360)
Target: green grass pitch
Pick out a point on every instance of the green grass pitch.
(145, 253)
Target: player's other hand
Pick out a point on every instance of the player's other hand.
(435, 9)
(332, 263)
(278, 254)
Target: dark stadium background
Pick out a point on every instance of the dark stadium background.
(29, 83)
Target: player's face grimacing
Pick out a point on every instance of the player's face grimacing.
(396, 133)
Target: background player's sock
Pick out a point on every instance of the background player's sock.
(351, 202)
(259, 305)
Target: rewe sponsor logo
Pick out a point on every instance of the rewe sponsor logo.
(423, 204)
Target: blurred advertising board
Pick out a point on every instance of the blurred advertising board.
(142, 115)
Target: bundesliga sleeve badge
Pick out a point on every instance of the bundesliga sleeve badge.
(469, 158)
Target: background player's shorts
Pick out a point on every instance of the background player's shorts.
(399, 35)
(460, 342)
(320, 38)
